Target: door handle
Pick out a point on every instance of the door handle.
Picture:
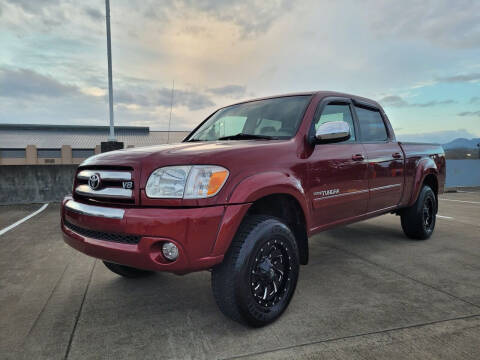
(397, 155)
(358, 157)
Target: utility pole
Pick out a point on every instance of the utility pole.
(112, 143)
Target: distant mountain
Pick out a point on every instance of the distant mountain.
(437, 137)
(462, 143)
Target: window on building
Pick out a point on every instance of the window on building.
(82, 153)
(12, 153)
(49, 153)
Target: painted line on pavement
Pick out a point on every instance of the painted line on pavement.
(445, 217)
(10, 227)
(462, 201)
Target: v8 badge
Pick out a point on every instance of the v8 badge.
(127, 184)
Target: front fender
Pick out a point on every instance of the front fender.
(425, 167)
(260, 185)
(249, 190)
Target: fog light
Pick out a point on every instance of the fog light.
(170, 251)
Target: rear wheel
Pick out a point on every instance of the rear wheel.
(127, 271)
(256, 281)
(418, 221)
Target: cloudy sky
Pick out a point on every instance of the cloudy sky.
(419, 59)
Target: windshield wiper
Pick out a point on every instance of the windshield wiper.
(242, 136)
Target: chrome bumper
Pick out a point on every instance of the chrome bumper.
(113, 192)
(90, 210)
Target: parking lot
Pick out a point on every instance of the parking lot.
(367, 293)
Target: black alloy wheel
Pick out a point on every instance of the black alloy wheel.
(270, 274)
(257, 278)
(418, 220)
(428, 213)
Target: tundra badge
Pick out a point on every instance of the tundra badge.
(327, 192)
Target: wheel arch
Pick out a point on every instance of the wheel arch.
(286, 208)
(426, 174)
(270, 193)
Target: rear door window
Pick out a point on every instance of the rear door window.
(372, 127)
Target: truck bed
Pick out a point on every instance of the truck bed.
(414, 153)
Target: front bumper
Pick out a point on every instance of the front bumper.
(202, 235)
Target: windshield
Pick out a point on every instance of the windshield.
(276, 118)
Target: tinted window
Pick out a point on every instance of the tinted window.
(276, 117)
(49, 153)
(12, 153)
(372, 126)
(334, 112)
(82, 153)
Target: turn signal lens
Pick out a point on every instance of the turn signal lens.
(205, 181)
(216, 181)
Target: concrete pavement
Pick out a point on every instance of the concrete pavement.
(368, 292)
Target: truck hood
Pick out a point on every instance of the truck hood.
(242, 158)
(177, 154)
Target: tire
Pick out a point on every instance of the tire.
(418, 221)
(252, 288)
(127, 271)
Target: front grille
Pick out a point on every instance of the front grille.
(112, 185)
(99, 235)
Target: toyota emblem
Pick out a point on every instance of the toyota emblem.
(94, 181)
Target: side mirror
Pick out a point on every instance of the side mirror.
(333, 131)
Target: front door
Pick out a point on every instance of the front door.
(337, 172)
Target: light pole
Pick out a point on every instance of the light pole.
(111, 137)
(112, 143)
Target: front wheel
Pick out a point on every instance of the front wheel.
(257, 278)
(418, 221)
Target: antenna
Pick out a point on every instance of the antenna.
(170, 119)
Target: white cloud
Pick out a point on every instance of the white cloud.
(398, 101)
(234, 91)
(26, 83)
(451, 24)
(472, 77)
(216, 49)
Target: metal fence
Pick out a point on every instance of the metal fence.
(463, 173)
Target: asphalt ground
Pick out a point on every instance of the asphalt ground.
(368, 293)
(9, 214)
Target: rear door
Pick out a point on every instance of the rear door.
(337, 172)
(385, 159)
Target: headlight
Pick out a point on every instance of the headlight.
(167, 182)
(188, 182)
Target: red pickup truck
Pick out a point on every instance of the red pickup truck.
(242, 194)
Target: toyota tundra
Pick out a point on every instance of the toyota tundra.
(244, 192)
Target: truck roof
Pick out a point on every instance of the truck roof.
(321, 93)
